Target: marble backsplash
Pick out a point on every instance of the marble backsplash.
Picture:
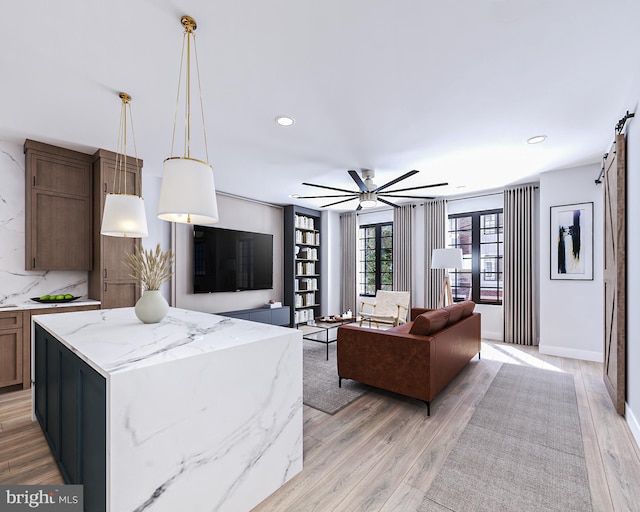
(18, 285)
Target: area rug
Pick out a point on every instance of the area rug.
(521, 450)
(320, 380)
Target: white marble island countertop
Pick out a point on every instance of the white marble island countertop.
(114, 340)
(202, 412)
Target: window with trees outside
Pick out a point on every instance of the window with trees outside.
(480, 236)
(375, 258)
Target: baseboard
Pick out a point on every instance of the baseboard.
(494, 336)
(632, 421)
(572, 353)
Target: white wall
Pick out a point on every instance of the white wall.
(240, 214)
(633, 276)
(159, 230)
(571, 322)
(330, 264)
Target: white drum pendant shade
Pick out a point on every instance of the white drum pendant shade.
(124, 216)
(187, 193)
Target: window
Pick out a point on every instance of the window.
(480, 236)
(375, 257)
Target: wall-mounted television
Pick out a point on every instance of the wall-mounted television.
(226, 260)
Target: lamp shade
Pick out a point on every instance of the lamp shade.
(124, 216)
(187, 193)
(446, 258)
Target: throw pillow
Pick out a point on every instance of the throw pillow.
(468, 306)
(430, 322)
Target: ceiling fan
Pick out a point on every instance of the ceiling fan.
(369, 193)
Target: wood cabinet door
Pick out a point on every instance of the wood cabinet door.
(614, 274)
(61, 232)
(10, 357)
(119, 294)
(57, 208)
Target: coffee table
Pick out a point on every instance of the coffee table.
(325, 331)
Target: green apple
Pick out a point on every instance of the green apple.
(68, 296)
(59, 297)
(44, 297)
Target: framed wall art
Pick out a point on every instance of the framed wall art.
(572, 241)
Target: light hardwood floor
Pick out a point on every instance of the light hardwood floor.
(382, 452)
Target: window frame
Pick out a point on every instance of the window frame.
(477, 267)
(362, 286)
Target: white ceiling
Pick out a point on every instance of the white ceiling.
(452, 88)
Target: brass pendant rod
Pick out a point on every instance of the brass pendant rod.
(188, 110)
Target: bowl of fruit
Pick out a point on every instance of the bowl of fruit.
(55, 299)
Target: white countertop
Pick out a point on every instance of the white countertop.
(32, 304)
(114, 340)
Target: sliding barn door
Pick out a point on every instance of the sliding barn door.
(615, 273)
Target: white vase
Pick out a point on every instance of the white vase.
(151, 307)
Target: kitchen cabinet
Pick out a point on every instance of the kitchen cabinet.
(57, 208)
(109, 281)
(11, 348)
(70, 405)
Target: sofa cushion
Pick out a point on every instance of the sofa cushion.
(455, 312)
(468, 306)
(430, 322)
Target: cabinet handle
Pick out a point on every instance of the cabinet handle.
(34, 263)
(105, 287)
(105, 273)
(34, 181)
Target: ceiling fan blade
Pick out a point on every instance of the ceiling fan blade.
(393, 182)
(359, 207)
(416, 188)
(387, 202)
(330, 188)
(408, 197)
(358, 180)
(354, 194)
(338, 202)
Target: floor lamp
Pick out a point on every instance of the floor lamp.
(449, 258)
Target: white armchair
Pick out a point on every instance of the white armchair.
(390, 307)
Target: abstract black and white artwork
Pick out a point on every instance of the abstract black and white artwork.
(572, 241)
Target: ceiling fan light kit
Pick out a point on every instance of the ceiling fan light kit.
(369, 194)
(187, 192)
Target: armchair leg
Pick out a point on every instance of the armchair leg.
(339, 382)
(479, 356)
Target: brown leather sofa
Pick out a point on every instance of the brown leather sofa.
(417, 359)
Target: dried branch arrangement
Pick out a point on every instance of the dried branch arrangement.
(152, 269)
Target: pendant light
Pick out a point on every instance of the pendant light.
(187, 192)
(124, 214)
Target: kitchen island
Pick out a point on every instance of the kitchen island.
(197, 412)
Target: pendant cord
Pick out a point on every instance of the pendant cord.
(175, 114)
(204, 127)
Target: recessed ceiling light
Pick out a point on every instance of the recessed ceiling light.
(284, 120)
(537, 139)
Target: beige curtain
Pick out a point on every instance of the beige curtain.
(402, 248)
(520, 263)
(435, 237)
(349, 234)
